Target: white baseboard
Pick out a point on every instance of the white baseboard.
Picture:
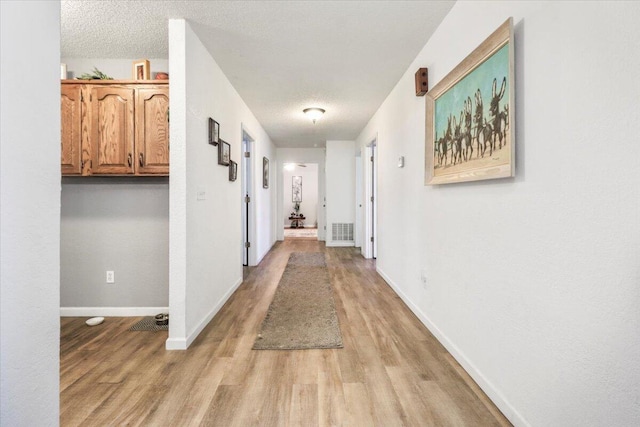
(175, 344)
(260, 257)
(184, 343)
(337, 244)
(111, 311)
(496, 397)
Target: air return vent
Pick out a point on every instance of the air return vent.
(342, 231)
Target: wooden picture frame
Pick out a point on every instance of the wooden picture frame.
(470, 131)
(265, 172)
(214, 132)
(141, 70)
(233, 171)
(224, 153)
(296, 189)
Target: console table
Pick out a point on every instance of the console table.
(297, 221)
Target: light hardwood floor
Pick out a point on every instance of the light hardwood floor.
(391, 371)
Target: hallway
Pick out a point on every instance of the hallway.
(392, 371)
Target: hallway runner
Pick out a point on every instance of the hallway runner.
(302, 314)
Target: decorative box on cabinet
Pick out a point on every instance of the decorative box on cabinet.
(116, 128)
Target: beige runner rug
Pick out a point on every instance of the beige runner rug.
(302, 314)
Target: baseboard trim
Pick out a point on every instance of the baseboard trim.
(175, 344)
(496, 397)
(260, 257)
(111, 311)
(204, 322)
(334, 244)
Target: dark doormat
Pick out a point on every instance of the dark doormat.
(148, 324)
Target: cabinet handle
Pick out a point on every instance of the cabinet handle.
(130, 159)
(141, 159)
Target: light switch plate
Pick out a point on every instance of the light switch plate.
(201, 194)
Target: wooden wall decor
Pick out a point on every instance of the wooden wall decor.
(422, 81)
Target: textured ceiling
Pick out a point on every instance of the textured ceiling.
(281, 56)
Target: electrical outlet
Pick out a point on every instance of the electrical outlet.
(423, 278)
(111, 277)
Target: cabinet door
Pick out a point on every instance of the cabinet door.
(152, 131)
(112, 130)
(71, 129)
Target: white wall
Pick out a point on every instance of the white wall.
(532, 282)
(119, 69)
(206, 235)
(309, 204)
(119, 224)
(29, 213)
(302, 155)
(341, 183)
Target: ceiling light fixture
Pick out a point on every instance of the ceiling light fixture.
(313, 113)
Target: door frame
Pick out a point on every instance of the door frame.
(370, 247)
(248, 215)
(359, 201)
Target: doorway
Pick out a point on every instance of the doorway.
(247, 196)
(370, 244)
(300, 202)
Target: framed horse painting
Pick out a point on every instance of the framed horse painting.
(469, 124)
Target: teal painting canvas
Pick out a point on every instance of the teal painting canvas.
(469, 116)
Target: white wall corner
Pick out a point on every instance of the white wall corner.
(176, 344)
(177, 183)
(205, 321)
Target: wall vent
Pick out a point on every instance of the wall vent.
(342, 231)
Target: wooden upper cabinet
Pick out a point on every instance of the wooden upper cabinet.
(112, 130)
(71, 129)
(152, 130)
(114, 127)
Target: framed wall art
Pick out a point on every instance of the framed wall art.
(233, 171)
(469, 124)
(214, 132)
(296, 189)
(265, 172)
(141, 70)
(224, 153)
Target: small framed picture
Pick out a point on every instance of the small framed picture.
(233, 170)
(224, 153)
(214, 132)
(141, 70)
(265, 172)
(296, 189)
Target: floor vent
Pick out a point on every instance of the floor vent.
(342, 231)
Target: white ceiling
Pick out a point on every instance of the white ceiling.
(281, 56)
